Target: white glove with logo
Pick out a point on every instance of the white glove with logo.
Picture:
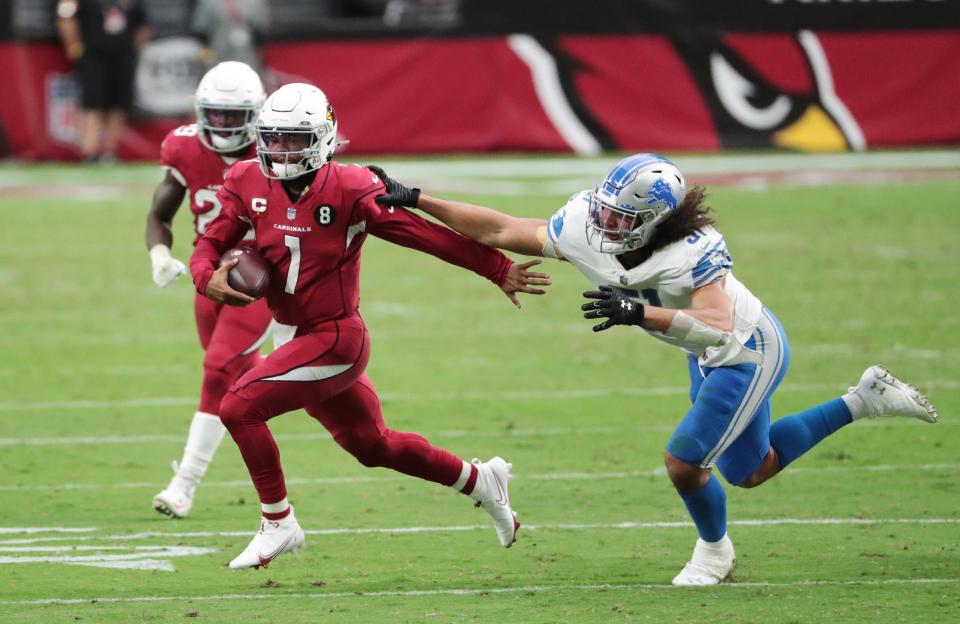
(166, 268)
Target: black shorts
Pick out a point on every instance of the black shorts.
(106, 82)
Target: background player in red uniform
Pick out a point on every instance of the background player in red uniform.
(196, 158)
(311, 216)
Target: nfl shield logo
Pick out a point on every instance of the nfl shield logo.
(291, 213)
(623, 280)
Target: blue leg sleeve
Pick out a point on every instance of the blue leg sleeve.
(708, 508)
(794, 435)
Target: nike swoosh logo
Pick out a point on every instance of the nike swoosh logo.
(501, 490)
(264, 560)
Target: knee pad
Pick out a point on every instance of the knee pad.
(235, 410)
(687, 448)
(218, 356)
(222, 367)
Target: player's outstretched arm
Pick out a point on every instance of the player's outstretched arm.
(406, 228)
(166, 201)
(484, 225)
(708, 319)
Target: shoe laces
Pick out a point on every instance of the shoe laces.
(481, 486)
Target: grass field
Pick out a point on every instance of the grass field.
(101, 370)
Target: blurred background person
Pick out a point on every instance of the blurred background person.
(231, 30)
(103, 39)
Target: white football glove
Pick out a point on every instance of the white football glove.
(166, 268)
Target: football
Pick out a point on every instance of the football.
(251, 275)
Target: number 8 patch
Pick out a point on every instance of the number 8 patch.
(325, 214)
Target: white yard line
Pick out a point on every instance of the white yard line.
(452, 395)
(477, 591)
(27, 530)
(324, 436)
(692, 165)
(560, 175)
(558, 166)
(449, 433)
(626, 525)
(549, 476)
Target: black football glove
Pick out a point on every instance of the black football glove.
(614, 305)
(397, 194)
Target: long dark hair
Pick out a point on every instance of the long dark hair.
(688, 218)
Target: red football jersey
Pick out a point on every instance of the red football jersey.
(313, 243)
(198, 168)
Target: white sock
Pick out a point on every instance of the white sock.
(464, 477)
(721, 549)
(855, 405)
(206, 433)
(276, 507)
(718, 546)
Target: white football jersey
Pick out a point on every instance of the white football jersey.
(668, 278)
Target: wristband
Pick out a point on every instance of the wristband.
(159, 253)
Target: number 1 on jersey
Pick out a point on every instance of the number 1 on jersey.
(293, 244)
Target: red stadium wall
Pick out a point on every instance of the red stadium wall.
(583, 93)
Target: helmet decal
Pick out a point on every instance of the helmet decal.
(660, 191)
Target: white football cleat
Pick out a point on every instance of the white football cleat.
(882, 394)
(176, 499)
(490, 492)
(710, 564)
(274, 538)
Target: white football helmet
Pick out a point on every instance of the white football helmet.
(227, 102)
(635, 196)
(296, 131)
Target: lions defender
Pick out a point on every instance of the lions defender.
(651, 248)
(196, 157)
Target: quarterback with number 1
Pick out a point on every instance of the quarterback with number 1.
(311, 216)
